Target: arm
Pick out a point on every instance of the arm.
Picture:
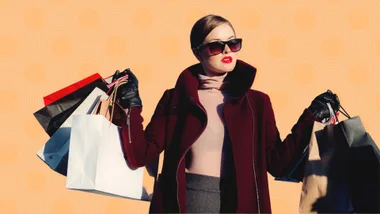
(279, 155)
(142, 147)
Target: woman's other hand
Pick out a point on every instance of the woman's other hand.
(319, 106)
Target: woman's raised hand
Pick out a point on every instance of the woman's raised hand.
(127, 94)
(319, 106)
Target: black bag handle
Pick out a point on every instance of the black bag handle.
(345, 112)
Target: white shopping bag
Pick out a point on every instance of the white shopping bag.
(55, 152)
(96, 160)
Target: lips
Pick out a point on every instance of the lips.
(227, 59)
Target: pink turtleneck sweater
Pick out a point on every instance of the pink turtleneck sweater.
(211, 152)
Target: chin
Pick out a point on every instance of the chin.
(228, 67)
(222, 68)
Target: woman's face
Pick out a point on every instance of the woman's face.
(221, 63)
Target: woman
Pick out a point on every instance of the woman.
(219, 135)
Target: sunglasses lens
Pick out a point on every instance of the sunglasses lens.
(218, 47)
(215, 48)
(235, 45)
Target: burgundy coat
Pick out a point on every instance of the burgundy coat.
(179, 119)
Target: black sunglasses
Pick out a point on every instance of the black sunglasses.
(217, 47)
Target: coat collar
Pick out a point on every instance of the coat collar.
(240, 80)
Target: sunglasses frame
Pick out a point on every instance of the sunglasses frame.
(224, 43)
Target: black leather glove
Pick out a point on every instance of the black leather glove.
(128, 94)
(319, 106)
(119, 74)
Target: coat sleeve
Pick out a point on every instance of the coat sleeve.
(279, 154)
(143, 146)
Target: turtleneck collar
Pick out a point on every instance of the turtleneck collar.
(240, 80)
(214, 82)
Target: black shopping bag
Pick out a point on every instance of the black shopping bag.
(350, 161)
(52, 116)
(363, 165)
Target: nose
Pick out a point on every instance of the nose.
(226, 49)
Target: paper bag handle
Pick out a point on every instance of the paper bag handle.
(111, 99)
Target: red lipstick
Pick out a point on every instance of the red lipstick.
(227, 59)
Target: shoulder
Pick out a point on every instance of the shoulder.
(170, 90)
(170, 93)
(169, 97)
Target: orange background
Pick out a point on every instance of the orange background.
(301, 48)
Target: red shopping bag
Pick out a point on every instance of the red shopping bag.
(51, 98)
(69, 89)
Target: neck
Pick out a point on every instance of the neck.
(211, 82)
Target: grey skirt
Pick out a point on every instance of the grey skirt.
(202, 193)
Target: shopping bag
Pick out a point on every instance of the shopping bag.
(363, 165)
(52, 116)
(96, 159)
(314, 183)
(55, 152)
(51, 98)
(325, 186)
(295, 171)
(343, 170)
(109, 108)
